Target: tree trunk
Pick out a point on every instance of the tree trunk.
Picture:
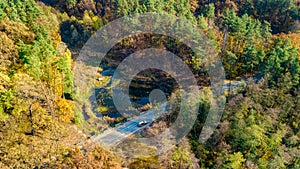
(224, 41)
(31, 120)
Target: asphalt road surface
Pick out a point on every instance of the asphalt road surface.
(115, 135)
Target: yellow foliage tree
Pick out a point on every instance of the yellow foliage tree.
(66, 108)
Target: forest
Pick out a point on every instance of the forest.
(46, 122)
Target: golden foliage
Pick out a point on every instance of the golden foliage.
(97, 158)
(66, 109)
(16, 31)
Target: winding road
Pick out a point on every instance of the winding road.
(115, 135)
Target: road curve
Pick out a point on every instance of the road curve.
(113, 136)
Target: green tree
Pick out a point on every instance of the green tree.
(281, 14)
(280, 59)
(250, 59)
(209, 11)
(234, 160)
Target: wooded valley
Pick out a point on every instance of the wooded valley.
(42, 124)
